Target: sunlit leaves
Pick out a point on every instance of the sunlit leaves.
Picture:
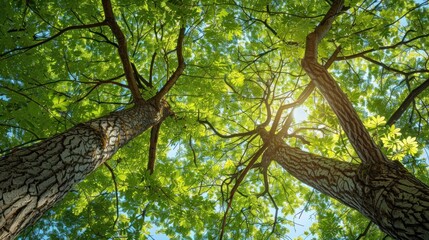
(236, 78)
(374, 122)
(237, 54)
(410, 145)
(390, 138)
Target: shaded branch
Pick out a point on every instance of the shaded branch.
(179, 70)
(265, 23)
(154, 133)
(290, 43)
(59, 33)
(263, 165)
(152, 62)
(194, 155)
(116, 192)
(402, 42)
(106, 39)
(101, 81)
(141, 81)
(123, 51)
(365, 231)
(276, 213)
(260, 55)
(205, 122)
(237, 184)
(383, 65)
(408, 100)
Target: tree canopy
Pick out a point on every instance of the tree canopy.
(232, 73)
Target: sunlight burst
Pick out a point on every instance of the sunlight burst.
(300, 114)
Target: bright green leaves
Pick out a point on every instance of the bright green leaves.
(236, 78)
(221, 14)
(59, 104)
(390, 138)
(374, 122)
(336, 221)
(410, 145)
(237, 55)
(398, 148)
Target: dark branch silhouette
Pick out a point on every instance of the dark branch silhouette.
(408, 100)
(154, 133)
(59, 33)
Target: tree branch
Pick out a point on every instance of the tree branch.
(123, 51)
(237, 184)
(194, 155)
(84, 26)
(365, 231)
(314, 38)
(243, 134)
(304, 95)
(154, 133)
(349, 120)
(141, 81)
(301, 99)
(116, 192)
(408, 100)
(179, 70)
(152, 62)
(403, 42)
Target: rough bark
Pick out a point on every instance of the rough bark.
(33, 179)
(349, 120)
(387, 194)
(380, 189)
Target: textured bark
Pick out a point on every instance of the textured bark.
(359, 137)
(380, 189)
(33, 179)
(387, 194)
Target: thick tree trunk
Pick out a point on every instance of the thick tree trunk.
(359, 137)
(33, 179)
(380, 189)
(387, 193)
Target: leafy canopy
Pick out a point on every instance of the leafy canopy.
(242, 63)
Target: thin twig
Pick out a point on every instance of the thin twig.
(237, 184)
(26, 48)
(116, 192)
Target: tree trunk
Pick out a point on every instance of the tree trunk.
(387, 194)
(380, 189)
(33, 179)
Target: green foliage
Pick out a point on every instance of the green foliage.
(389, 138)
(237, 54)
